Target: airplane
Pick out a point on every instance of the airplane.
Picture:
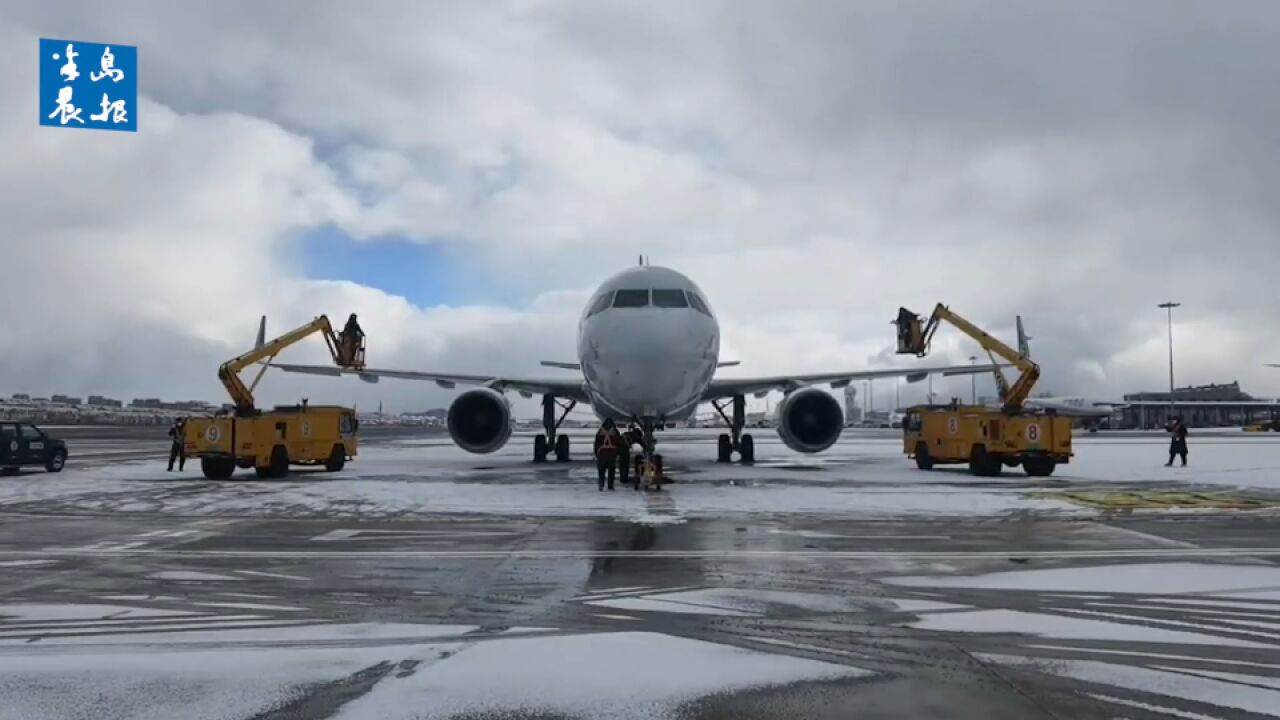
(1091, 411)
(648, 349)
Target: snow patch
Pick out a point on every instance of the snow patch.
(662, 673)
(1170, 684)
(190, 576)
(1066, 628)
(40, 612)
(1143, 578)
(278, 632)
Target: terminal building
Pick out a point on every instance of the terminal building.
(1200, 406)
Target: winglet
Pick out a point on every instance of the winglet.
(262, 334)
(1024, 341)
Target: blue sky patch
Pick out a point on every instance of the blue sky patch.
(425, 274)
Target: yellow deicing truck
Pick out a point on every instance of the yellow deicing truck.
(986, 438)
(270, 441)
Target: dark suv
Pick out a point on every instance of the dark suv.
(26, 444)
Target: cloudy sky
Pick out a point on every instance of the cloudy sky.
(463, 174)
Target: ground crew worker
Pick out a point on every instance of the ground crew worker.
(1178, 440)
(177, 451)
(607, 446)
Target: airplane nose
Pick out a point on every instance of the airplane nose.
(651, 369)
(645, 382)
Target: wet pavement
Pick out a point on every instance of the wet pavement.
(424, 583)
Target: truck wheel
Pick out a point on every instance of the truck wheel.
(994, 467)
(1039, 466)
(337, 459)
(724, 448)
(924, 460)
(279, 465)
(216, 468)
(562, 448)
(747, 449)
(982, 464)
(56, 462)
(540, 448)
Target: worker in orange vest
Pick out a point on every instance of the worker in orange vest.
(607, 446)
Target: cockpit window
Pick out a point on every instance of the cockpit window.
(698, 304)
(599, 304)
(669, 299)
(631, 298)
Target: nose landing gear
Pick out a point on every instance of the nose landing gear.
(649, 471)
(734, 440)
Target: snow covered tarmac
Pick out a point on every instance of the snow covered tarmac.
(866, 474)
(422, 582)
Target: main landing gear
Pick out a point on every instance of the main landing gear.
(734, 440)
(543, 445)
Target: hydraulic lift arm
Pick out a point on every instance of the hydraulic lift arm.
(347, 352)
(914, 338)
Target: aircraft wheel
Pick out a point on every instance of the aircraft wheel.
(540, 448)
(724, 448)
(747, 449)
(562, 448)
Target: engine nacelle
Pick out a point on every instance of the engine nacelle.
(809, 420)
(480, 421)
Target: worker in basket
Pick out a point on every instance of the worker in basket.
(351, 338)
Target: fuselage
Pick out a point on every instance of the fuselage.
(648, 344)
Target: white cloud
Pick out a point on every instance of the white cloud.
(813, 170)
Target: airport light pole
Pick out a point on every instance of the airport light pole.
(1169, 306)
(973, 382)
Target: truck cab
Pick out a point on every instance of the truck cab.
(22, 443)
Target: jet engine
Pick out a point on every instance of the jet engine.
(480, 421)
(809, 420)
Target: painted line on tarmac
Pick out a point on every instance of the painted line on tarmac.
(1170, 553)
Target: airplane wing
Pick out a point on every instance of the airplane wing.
(569, 389)
(759, 386)
(1078, 412)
